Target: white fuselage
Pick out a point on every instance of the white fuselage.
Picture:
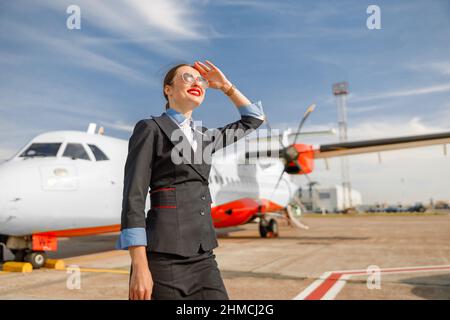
(39, 194)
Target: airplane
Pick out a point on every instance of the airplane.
(70, 183)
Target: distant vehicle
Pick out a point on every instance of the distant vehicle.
(442, 205)
(418, 207)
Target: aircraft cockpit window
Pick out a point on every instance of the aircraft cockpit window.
(98, 154)
(41, 150)
(75, 151)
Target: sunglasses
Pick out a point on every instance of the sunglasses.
(190, 79)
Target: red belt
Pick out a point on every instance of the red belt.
(163, 198)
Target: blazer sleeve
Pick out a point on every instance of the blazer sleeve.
(252, 116)
(137, 176)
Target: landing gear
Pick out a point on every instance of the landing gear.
(36, 258)
(31, 248)
(268, 229)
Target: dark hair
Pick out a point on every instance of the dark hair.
(169, 78)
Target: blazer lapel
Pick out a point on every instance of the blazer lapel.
(168, 127)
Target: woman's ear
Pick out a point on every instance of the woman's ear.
(167, 89)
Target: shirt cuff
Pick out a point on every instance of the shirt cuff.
(131, 237)
(253, 110)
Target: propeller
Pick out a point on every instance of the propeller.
(290, 153)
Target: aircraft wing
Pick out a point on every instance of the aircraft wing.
(363, 146)
(378, 145)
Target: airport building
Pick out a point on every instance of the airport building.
(328, 199)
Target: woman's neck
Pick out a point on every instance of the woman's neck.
(186, 113)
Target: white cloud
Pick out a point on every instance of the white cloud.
(390, 128)
(442, 67)
(152, 22)
(72, 53)
(118, 125)
(404, 93)
(158, 26)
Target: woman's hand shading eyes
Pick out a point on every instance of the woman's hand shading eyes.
(212, 73)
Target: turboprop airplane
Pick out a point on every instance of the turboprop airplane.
(70, 183)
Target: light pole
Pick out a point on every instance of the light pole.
(340, 91)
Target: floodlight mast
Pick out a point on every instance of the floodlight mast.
(340, 91)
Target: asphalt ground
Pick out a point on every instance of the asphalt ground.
(409, 256)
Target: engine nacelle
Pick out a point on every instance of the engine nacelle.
(304, 162)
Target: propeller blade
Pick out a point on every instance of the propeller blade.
(270, 128)
(308, 111)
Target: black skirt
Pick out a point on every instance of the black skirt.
(186, 278)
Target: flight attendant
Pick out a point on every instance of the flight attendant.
(172, 247)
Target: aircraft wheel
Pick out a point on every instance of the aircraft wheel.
(273, 228)
(263, 229)
(36, 258)
(268, 229)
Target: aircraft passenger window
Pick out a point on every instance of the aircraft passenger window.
(216, 178)
(41, 150)
(98, 154)
(75, 151)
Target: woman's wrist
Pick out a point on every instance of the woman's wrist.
(139, 262)
(226, 86)
(138, 256)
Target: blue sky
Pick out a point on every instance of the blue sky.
(285, 53)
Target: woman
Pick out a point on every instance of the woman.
(172, 248)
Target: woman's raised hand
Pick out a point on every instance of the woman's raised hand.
(215, 77)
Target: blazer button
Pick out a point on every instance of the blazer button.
(202, 212)
(203, 197)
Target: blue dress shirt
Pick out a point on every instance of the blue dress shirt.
(138, 236)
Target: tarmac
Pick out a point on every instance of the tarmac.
(408, 258)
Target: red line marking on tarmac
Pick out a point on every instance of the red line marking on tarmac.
(321, 290)
(331, 283)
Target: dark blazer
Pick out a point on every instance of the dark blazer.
(179, 220)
